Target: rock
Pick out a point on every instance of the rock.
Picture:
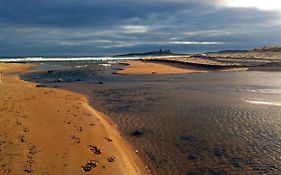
(108, 139)
(234, 162)
(188, 138)
(219, 151)
(137, 133)
(60, 80)
(51, 72)
(78, 79)
(100, 82)
(40, 85)
(192, 156)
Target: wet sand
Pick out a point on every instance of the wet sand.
(141, 67)
(51, 131)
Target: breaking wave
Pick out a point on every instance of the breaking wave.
(49, 59)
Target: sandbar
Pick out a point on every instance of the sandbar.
(53, 132)
(143, 67)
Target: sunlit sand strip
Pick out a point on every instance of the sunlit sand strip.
(262, 102)
(142, 67)
(54, 131)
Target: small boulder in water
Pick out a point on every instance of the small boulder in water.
(60, 80)
(137, 133)
(51, 72)
(192, 156)
(218, 151)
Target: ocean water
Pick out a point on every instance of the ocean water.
(210, 123)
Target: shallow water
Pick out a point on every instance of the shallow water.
(211, 123)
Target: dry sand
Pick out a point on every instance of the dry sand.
(54, 132)
(142, 67)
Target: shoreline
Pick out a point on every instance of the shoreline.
(56, 132)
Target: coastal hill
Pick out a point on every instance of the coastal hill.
(170, 53)
(264, 58)
(259, 49)
(152, 53)
(268, 49)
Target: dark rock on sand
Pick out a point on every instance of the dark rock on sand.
(137, 133)
(40, 85)
(108, 139)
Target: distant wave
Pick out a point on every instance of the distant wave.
(48, 59)
(105, 65)
(262, 102)
(81, 66)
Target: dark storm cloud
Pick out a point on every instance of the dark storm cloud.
(64, 27)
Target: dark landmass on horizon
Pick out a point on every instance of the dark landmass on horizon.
(161, 52)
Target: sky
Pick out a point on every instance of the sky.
(107, 27)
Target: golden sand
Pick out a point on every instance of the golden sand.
(142, 67)
(54, 132)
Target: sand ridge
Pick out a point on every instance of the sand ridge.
(142, 67)
(53, 131)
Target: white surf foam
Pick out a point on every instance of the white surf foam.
(262, 102)
(45, 59)
(105, 65)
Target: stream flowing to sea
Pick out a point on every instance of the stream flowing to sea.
(189, 124)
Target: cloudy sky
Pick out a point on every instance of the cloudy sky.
(104, 27)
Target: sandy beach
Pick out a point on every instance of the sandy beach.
(141, 67)
(52, 131)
